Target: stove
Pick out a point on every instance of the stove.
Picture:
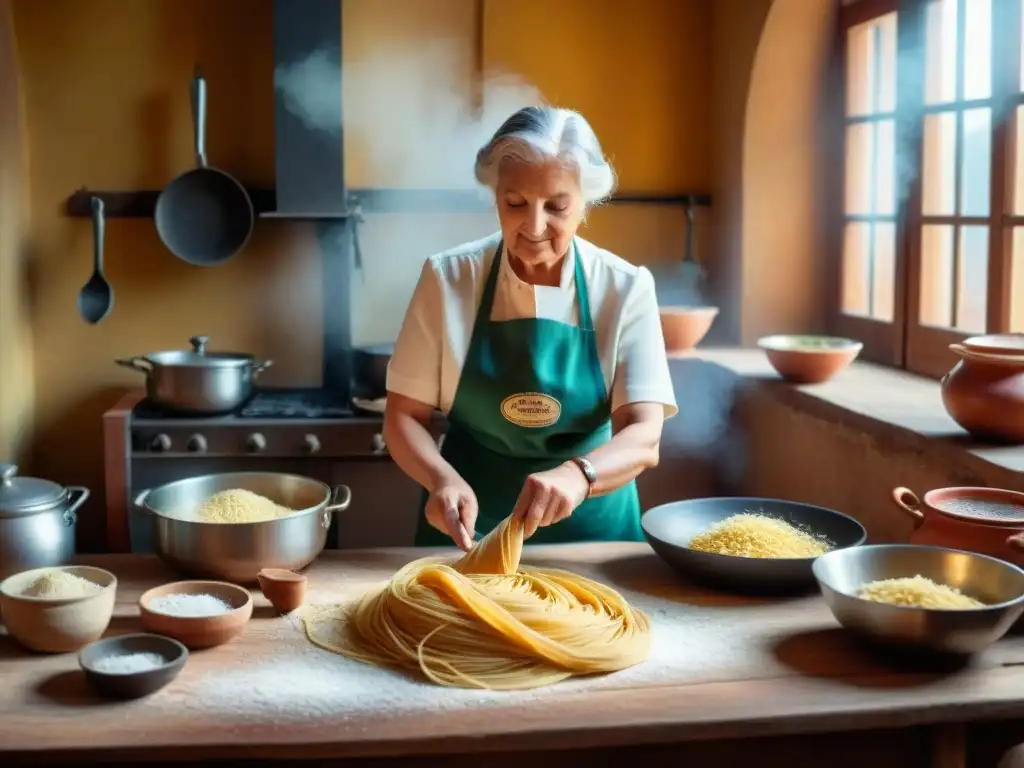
(302, 431)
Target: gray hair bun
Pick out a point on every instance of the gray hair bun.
(536, 134)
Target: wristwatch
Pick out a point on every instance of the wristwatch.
(588, 472)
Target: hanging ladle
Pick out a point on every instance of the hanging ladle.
(96, 298)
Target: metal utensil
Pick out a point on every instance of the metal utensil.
(96, 298)
(198, 381)
(692, 274)
(37, 521)
(205, 215)
(238, 551)
(669, 529)
(998, 584)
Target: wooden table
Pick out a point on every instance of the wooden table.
(730, 681)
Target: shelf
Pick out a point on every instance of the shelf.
(140, 204)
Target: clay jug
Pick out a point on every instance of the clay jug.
(984, 392)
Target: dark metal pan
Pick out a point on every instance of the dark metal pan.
(370, 369)
(204, 216)
(669, 529)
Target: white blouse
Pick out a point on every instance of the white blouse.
(434, 341)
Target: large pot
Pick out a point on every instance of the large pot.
(984, 392)
(37, 521)
(237, 551)
(198, 381)
(988, 521)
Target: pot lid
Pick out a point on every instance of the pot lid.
(27, 495)
(997, 343)
(199, 356)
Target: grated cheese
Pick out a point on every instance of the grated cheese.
(751, 535)
(918, 592)
(61, 585)
(237, 505)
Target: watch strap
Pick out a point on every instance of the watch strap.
(587, 468)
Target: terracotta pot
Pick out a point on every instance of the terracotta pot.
(684, 327)
(984, 393)
(809, 359)
(938, 524)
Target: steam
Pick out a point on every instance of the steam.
(412, 116)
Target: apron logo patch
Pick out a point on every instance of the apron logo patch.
(531, 409)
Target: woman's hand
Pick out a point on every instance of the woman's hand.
(452, 508)
(550, 496)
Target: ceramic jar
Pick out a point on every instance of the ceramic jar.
(984, 392)
(938, 523)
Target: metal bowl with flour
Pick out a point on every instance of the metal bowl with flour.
(237, 551)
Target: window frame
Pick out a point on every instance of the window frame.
(905, 342)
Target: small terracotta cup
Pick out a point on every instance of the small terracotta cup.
(960, 518)
(198, 631)
(286, 590)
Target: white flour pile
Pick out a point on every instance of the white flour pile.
(189, 605)
(128, 663)
(690, 643)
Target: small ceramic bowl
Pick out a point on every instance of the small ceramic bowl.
(809, 359)
(62, 625)
(684, 327)
(132, 684)
(198, 631)
(286, 590)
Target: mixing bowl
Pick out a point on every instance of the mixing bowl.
(998, 584)
(57, 625)
(237, 551)
(670, 528)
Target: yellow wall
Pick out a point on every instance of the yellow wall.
(16, 388)
(106, 99)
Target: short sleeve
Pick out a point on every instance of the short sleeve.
(641, 366)
(415, 367)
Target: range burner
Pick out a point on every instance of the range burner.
(266, 404)
(295, 404)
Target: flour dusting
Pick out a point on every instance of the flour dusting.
(300, 681)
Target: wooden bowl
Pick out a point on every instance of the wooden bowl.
(198, 631)
(286, 590)
(48, 625)
(684, 327)
(809, 359)
(132, 685)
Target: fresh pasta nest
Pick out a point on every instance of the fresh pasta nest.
(484, 622)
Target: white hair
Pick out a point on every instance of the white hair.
(539, 134)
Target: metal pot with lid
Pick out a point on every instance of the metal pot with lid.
(197, 380)
(37, 521)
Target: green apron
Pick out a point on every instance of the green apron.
(532, 371)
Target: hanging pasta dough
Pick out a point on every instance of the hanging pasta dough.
(484, 622)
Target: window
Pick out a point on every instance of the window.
(932, 243)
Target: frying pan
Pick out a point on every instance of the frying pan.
(204, 216)
(669, 529)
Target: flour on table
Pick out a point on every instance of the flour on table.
(300, 681)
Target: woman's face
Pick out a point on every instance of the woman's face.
(540, 208)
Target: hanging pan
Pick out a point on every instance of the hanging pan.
(204, 216)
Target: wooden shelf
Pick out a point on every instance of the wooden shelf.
(141, 203)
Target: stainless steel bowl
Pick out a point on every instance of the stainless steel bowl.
(998, 584)
(237, 551)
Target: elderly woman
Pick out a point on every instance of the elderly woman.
(544, 351)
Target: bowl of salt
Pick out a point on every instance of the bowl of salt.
(200, 614)
(132, 666)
